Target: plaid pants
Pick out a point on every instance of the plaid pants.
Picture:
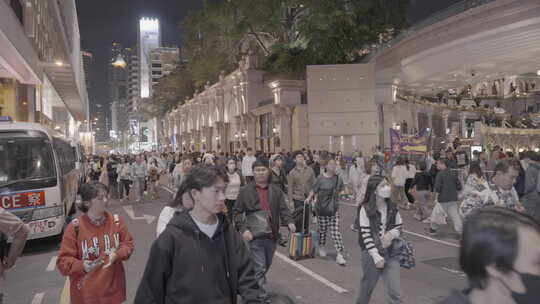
(332, 222)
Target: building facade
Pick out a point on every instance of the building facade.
(41, 68)
(241, 110)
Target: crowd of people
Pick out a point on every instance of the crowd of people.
(216, 239)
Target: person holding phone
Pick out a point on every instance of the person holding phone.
(93, 249)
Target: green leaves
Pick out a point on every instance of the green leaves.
(171, 91)
(290, 34)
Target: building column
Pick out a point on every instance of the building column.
(282, 117)
(249, 129)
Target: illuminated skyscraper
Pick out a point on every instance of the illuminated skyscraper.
(149, 38)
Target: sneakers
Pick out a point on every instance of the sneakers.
(322, 252)
(340, 260)
(427, 220)
(354, 228)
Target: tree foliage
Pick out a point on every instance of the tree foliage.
(289, 33)
(169, 92)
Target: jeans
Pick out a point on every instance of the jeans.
(422, 202)
(451, 209)
(138, 183)
(371, 274)
(399, 195)
(125, 187)
(262, 252)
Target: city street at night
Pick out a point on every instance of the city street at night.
(202, 151)
(307, 281)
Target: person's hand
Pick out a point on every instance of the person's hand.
(90, 266)
(292, 228)
(247, 235)
(380, 264)
(386, 240)
(520, 208)
(112, 259)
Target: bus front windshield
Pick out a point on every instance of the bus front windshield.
(24, 158)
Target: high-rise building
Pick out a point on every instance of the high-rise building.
(133, 80)
(148, 38)
(41, 69)
(163, 61)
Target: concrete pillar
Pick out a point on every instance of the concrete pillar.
(282, 116)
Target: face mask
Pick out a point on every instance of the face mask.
(532, 292)
(384, 191)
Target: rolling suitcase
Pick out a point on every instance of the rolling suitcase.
(302, 244)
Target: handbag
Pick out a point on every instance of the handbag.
(438, 215)
(258, 223)
(405, 253)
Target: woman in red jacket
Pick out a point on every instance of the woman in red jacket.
(93, 249)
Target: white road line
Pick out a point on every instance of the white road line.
(52, 263)
(312, 274)
(38, 298)
(432, 239)
(167, 189)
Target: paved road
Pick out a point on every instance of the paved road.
(35, 280)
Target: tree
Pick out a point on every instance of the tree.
(169, 92)
(289, 33)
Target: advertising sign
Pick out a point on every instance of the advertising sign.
(404, 144)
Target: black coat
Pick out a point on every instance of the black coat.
(248, 202)
(186, 266)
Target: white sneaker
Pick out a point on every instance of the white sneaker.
(340, 259)
(322, 252)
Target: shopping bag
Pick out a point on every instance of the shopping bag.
(438, 215)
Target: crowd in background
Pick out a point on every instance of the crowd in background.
(443, 186)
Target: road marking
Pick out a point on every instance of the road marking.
(314, 275)
(148, 218)
(65, 297)
(167, 189)
(38, 298)
(432, 239)
(52, 263)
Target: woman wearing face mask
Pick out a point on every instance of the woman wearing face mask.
(380, 224)
(236, 180)
(327, 188)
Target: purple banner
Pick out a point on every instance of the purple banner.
(404, 144)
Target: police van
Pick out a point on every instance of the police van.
(39, 179)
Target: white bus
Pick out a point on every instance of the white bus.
(38, 176)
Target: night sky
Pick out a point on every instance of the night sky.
(103, 21)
